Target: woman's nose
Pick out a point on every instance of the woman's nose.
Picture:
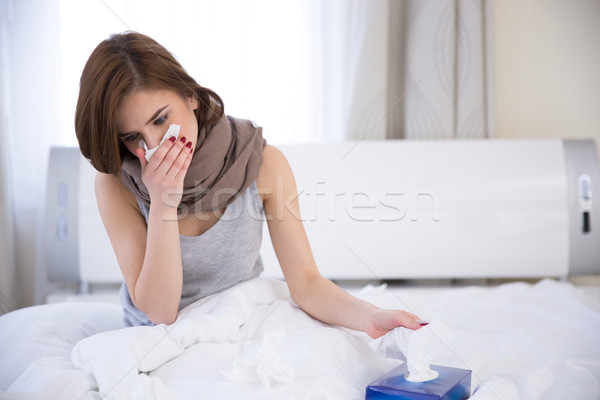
(151, 142)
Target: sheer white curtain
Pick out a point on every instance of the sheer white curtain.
(440, 69)
(31, 88)
(257, 54)
(350, 60)
(415, 69)
(7, 260)
(314, 70)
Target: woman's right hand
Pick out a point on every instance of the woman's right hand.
(163, 175)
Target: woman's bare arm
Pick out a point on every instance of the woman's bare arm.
(149, 255)
(315, 294)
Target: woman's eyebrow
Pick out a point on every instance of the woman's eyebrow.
(156, 114)
(150, 120)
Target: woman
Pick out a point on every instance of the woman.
(164, 214)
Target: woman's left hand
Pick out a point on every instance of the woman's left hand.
(383, 321)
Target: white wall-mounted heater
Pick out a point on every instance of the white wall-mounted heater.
(391, 210)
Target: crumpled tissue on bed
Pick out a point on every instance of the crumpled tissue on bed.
(266, 367)
(417, 348)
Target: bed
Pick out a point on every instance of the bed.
(486, 245)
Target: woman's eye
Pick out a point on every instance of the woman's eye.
(130, 138)
(161, 120)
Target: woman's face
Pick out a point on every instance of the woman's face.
(148, 113)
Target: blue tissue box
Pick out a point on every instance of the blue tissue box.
(452, 384)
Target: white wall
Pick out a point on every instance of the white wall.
(547, 69)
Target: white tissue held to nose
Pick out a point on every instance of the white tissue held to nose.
(172, 131)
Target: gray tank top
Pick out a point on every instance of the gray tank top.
(223, 256)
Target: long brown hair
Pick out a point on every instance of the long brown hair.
(117, 66)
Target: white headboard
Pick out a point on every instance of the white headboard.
(392, 210)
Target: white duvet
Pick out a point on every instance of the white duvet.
(521, 341)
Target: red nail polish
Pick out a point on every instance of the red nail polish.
(172, 139)
(189, 145)
(183, 139)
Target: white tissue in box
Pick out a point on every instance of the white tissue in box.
(418, 348)
(172, 131)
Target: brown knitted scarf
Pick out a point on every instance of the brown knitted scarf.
(226, 161)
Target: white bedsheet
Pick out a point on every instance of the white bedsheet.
(521, 341)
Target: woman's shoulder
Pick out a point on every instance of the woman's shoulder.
(110, 191)
(274, 170)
